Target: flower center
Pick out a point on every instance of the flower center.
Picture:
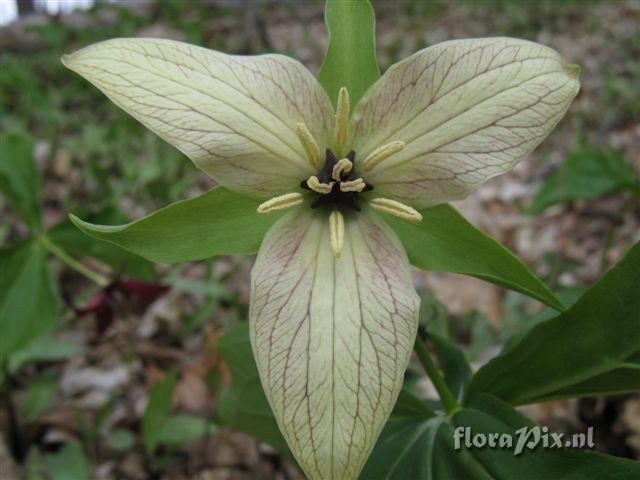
(337, 182)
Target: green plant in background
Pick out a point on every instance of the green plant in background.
(29, 300)
(178, 98)
(586, 173)
(38, 101)
(30, 306)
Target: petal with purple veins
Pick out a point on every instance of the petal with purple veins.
(332, 336)
(234, 116)
(466, 110)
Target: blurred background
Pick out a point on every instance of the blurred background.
(92, 369)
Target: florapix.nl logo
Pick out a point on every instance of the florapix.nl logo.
(523, 438)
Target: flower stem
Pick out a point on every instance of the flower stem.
(446, 397)
(72, 262)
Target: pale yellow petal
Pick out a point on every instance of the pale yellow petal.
(332, 336)
(466, 110)
(234, 116)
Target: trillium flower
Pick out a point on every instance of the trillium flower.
(333, 313)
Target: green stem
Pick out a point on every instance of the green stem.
(446, 397)
(72, 262)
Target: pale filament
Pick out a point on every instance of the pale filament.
(308, 143)
(382, 153)
(342, 119)
(280, 202)
(317, 186)
(344, 165)
(386, 205)
(356, 185)
(336, 232)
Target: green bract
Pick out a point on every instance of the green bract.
(333, 313)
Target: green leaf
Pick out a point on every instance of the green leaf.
(350, 60)
(67, 236)
(588, 172)
(423, 447)
(243, 405)
(434, 316)
(28, 302)
(38, 397)
(614, 382)
(44, 349)
(68, 463)
(567, 295)
(482, 334)
(446, 242)
(121, 440)
(592, 348)
(157, 411)
(453, 363)
(20, 181)
(217, 222)
(408, 405)
(182, 429)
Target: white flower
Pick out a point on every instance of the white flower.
(333, 310)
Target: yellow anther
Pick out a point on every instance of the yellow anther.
(356, 185)
(336, 231)
(343, 165)
(317, 186)
(342, 118)
(308, 142)
(386, 205)
(280, 203)
(379, 154)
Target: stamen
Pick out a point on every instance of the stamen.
(386, 205)
(342, 118)
(280, 203)
(344, 165)
(356, 185)
(308, 142)
(317, 186)
(336, 231)
(380, 154)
